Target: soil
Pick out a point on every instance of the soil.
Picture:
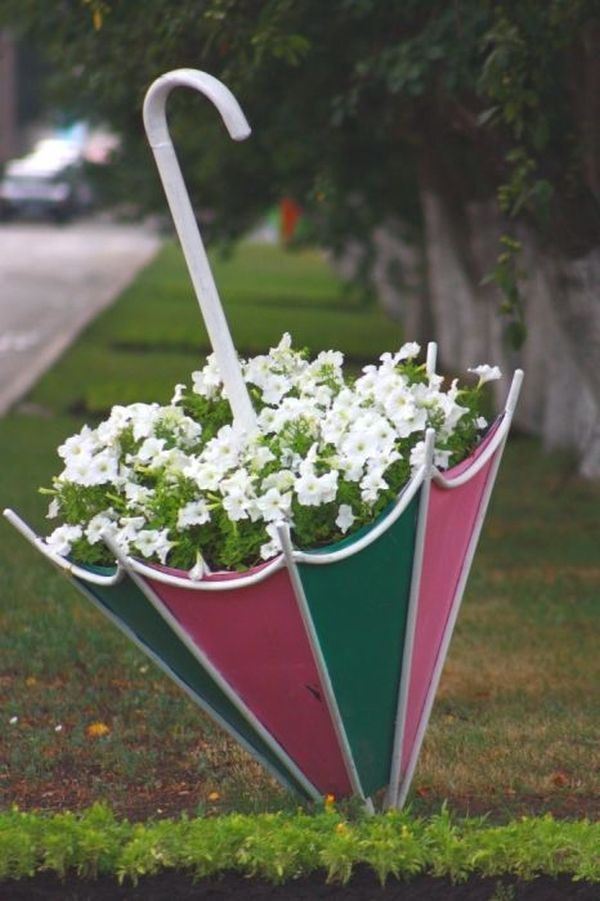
(363, 887)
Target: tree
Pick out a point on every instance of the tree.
(447, 151)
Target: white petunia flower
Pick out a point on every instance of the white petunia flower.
(53, 508)
(282, 480)
(149, 450)
(196, 513)
(199, 569)
(417, 456)
(313, 490)
(127, 531)
(273, 547)
(441, 458)
(207, 382)
(82, 445)
(237, 506)
(178, 393)
(80, 470)
(137, 494)
(207, 476)
(97, 526)
(104, 468)
(354, 430)
(408, 351)
(143, 418)
(372, 484)
(486, 373)
(273, 505)
(61, 540)
(345, 517)
(153, 542)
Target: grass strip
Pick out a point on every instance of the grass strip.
(280, 846)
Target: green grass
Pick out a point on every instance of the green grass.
(154, 338)
(281, 847)
(515, 726)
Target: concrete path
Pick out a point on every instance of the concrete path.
(53, 281)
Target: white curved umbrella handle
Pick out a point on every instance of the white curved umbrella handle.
(155, 122)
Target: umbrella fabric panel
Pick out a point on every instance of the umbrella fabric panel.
(451, 520)
(359, 608)
(255, 637)
(130, 606)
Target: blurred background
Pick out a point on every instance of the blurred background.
(447, 157)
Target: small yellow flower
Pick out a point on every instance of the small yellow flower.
(30, 680)
(97, 730)
(341, 828)
(214, 796)
(329, 801)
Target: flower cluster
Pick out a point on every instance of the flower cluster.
(183, 486)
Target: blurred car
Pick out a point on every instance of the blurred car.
(50, 181)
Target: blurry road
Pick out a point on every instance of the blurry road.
(53, 281)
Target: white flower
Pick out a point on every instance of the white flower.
(97, 526)
(138, 495)
(441, 458)
(236, 505)
(407, 352)
(82, 445)
(274, 388)
(358, 445)
(13, 720)
(259, 456)
(150, 449)
(207, 382)
(282, 480)
(417, 456)
(61, 540)
(199, 569)
(273, 505)
(178, 393)
(128, 529)
(486, 373)
(153, 542)
(313, 490)
(206, 475)
(104, 468)
(373, 483)
(53, 508)
(345, 517)
(143, 418)
(273, 547)
(196, 513)
(354, 430)
(352, 467)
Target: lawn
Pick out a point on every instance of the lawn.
(85, 717)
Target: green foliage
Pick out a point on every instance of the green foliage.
(279, 847)
(356, 107)
(507, 275)
(347, 99)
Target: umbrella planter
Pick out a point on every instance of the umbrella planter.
(323, 663)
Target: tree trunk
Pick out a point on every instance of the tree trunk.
(561, 356)
(437, 291)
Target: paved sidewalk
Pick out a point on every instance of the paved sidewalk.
(53, 281)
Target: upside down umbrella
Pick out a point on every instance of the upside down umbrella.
(323, 664)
